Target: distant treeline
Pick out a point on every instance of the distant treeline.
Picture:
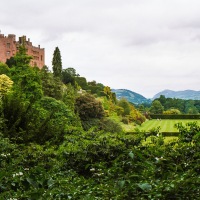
(184, 106)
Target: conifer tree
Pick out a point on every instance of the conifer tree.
(57, 63)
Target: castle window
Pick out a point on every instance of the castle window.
(41, 58)
(8, 45)
(8, 53)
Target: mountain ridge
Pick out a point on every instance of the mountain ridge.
(137, 98)
(131, 96)
(181, 94)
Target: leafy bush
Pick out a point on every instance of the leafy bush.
(88, 107)
(125, 120)
(45, 120)
(109, 125)
(4, 69)
(98, 165)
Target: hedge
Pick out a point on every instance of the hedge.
(181, 116)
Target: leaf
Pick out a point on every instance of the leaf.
(131, 155)
(32, 182)
(121, 183)
(145, 186)
(50, 183)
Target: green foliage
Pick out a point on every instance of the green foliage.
(184, 106)
(108, 125)
(67, 77)
(51, 86)
(54, 119)
(68, 96)
(27, 83)
(21, 59)
(95, 88)
(57, 63)
(125, 105)
(119, 110)
(172, 111)
(89, 110)
(45, 120)
(82, 82)
(156, 107)
(88, 107)
(5, 85)
(11, 62)
(109, 94)
(4, 69)
(189, 133)
(97, 165)
(71, 71)
(125, 120)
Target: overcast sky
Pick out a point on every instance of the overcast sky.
(142, 45)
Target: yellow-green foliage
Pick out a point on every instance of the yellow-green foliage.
(172, 111)
(5, 84)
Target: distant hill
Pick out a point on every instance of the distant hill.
(131, 96)
(186, 94)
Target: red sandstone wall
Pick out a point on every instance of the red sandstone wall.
(8, 48)
(38, 55)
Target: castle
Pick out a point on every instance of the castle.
(9, 47)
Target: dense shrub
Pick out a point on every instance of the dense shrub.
(46, 120)
(98, 165)
(110, 126)
(88, 107)
(125, 120)
(4, 69)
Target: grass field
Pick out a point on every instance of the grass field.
(165, 125)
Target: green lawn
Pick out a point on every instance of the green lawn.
(166, 125)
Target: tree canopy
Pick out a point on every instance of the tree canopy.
(156, 107)
(57, 63)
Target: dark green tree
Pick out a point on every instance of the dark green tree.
(11, 62)
(125, 105)
(4, 69)
(156, 107)
(51, 85)
(88, 107)
(57, 63)
(67, 77)
(82, 82)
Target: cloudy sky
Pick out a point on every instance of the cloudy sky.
(142, 45)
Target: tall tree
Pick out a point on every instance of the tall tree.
(125, 105)
(57, 63)
(156, 107)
